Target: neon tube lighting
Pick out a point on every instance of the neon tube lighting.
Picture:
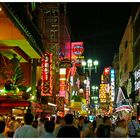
(51, 104)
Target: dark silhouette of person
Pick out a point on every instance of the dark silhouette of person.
(49, 128)
(2, 128)
(35, 123)
(81, 123)
(68, 131)
(104, 130)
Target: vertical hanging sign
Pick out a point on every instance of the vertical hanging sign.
(46, 87)
(62, 92)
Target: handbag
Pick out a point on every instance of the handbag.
(136, 130)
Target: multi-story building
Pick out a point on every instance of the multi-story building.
(126, 55)
(38, 33)
(136, 55)
(56, 39)
(21, 48)
(124, 85)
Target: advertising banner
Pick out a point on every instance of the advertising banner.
(46, 87)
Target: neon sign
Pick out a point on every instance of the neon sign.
(112, 84)
(62, 80)
(77, 49)
(46, 87)
(137, 79)
(106, 70)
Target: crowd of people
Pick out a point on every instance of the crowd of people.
(68, 126)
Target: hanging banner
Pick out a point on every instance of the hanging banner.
(83, 107)
(75, 105)
(46, 87)
(60, 104)
(62, 80)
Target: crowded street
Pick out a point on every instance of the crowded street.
(69, 70)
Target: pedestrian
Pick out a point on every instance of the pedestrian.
(99, 121)
(35, 123)
(60, 122)
(68, 131)
(49, 128)
(2, 128)
(104, 130)
(121, 130)
(40, 127)
(133, 127)
(27, 130)
(81, 123)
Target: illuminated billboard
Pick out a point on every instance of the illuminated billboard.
(62, 79)
(46, 86)
(77, 49)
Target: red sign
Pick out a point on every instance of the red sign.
(17, 104)
(46, 86)
(77, 49)
(107, 71)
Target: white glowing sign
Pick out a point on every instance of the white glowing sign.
(137, 79)
(112, 85)
(62, 79)
(87, 90)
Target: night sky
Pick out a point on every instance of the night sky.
(100, 26)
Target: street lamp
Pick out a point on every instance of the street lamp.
(94, 87)
(90, 65)
(94, 97)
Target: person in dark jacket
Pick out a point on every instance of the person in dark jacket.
(68, 131)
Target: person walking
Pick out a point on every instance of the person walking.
(2, 128)
(68, 131)
(133, 126)
(40, 127)
(104, 130)
(27, 130)
(59, 124)
(49, 128)
(121, 130)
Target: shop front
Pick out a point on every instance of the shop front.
(10, 106)
(136, 104)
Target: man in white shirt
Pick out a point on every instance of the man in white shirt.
(26, 131)
(40, 128)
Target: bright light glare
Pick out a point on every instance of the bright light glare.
(96, 87)
(28, 89)
(62, 71)
(83, 63)
(89, 63)
(51, 104)
(93, 87)
(95, 63)
(0, 9)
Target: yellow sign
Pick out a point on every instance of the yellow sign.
(75, 105)
(83, 107)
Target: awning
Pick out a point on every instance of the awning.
(123, 107)
(11, 101)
